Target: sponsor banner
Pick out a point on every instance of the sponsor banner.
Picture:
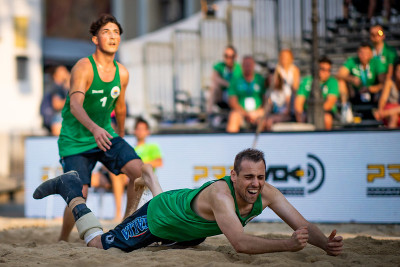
(327, 176)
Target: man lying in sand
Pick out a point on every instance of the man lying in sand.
(187, 216)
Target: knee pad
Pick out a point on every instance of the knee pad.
(87, 225)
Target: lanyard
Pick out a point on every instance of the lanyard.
(249, 87)
(364, 74)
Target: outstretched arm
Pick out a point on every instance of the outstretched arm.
(224, 211)
(281, 206)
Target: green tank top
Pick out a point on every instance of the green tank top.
(99, 103)
(170, 214)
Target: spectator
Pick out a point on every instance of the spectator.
(278, 102)
(61, 79)
(246, 97)
(208, 8)
(386, 54)
(289, 73)
(149, 153)
(54, 98)
(222, 74)
(330, 93)
(361, 78)
(389, 103)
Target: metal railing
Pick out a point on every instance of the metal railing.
(176, 72)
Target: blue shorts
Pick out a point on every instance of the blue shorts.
(114, 159)
(134, 233)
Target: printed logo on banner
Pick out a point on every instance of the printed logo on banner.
(284, 174)
(276, 174)
(383, 186)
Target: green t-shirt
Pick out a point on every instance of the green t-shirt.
(227, 74)
(250, 94)
(387, 57)
(170, 214)
(99, 102)
(329, 87)
(369, 76)
(148, 152)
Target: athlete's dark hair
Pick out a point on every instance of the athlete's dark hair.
(103, 20)
(325, 59)
(250, 154)
(141, 120)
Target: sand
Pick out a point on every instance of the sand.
(32, 242)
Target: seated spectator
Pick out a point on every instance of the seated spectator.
(54, 99)
(208, 8)
(278, 102)
(389, 102)
(246, 97)
(330, 93)
(222, 74)
(290, 74)
(361, 78)
(386, 54)
(61, 79)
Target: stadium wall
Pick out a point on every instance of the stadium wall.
(328, 176)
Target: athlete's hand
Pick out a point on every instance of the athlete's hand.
(102, 138)
(355, 81)
(335, 244)
(299, 239)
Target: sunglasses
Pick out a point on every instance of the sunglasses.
(379, 33)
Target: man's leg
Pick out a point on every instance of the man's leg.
(118, 185)
(68, 219)
(234, 122)
(135, 168)
(69, 187)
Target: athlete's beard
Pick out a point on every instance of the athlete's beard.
(243, 195)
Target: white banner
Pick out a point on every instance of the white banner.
(327, 176)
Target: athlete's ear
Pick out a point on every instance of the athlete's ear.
(95, 40)
(233, 175)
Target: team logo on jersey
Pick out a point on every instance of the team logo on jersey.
(256, 87)
(115, 91)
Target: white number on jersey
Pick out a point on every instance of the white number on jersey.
(103, 101)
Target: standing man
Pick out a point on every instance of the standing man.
(246, 97)
(330, 93)
(98, 85)
(386, 54)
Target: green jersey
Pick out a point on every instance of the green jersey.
(329, 87)
(170, 214)
(369, 75)
(388, 56)
(250, 94)
(227, 74)
(148, 152)
(99, 102)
